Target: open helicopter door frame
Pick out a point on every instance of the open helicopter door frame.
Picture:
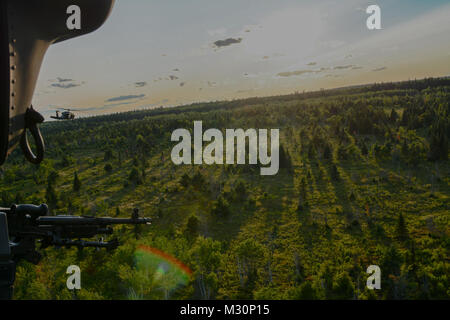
(7, 266)
(27, 29)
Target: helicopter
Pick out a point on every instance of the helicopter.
(65, 114)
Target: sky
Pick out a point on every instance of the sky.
(153, 53)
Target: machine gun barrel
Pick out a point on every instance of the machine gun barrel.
(87, 221)
(67, 243)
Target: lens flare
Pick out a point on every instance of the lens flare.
(165, 266)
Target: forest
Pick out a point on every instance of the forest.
(363, 180)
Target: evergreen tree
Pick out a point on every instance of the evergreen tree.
(394, 116)
(198, 181)
(285, 159)
(50, 195)
(364, 150)
(343, 288)
(108, 155)
(221, 207)
(185, 180)
(311, 151)
(334, 173)
(76, 183)
(306, 291)
(327, 152)
(439, 141)
(134, 176)
(240, 192)
(192, 226)
(108, 168)
(303, 195)
(401, 230)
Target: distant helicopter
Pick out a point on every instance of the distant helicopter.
(67, 114)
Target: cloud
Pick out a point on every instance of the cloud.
(124, 98)
(176, 70)
(343, 67)
(227, 42)
(301, 72)
(63, 83)
(65, 86)
(63, 80)
(312, 64)
(140, 84)
(246, 91)
(182, 84)
(379, 69)
(173, 77)
(294, 73)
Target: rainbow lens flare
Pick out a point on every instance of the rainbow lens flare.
(166, 266)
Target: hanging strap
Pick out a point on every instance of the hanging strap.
(32, 119)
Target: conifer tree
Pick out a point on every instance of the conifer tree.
(76, 183)
(401, 230)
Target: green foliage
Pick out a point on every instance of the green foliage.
(305, 291)
(221, 207)
(206, 258)
(343, 287)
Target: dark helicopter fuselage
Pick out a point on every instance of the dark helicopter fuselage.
(66, 115)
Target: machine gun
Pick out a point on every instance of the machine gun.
(22, 227)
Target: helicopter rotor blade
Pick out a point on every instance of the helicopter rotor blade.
(68, 109)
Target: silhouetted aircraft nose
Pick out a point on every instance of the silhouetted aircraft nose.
(53, 16)
(28, 28)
